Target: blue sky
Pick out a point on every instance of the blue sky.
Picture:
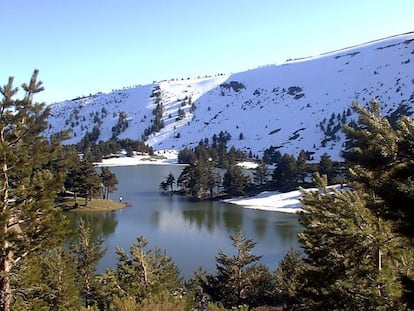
(85, 46)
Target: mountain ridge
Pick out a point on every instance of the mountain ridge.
(299, 104)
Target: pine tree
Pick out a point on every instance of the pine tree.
(359, 242)
(271, 155)
(289, 278)
(234, 181)
(87, 254)
(163, 186)
(28, 221)
(73, 177)
(90, 181)
(285, 175)
(170, 181)
(213, 179)
(382, 162)
(48, 282)
(325, 167)
(109, 182)
(301, 166)
(381, 159)
(261, 174)
(189, 180)
(83, 179)
(139, 275)
(352, 255)
(239, 280)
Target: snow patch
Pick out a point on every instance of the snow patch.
(287, 202)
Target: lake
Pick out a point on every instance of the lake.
(192, 233)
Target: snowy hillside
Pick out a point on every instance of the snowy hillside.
(300, 104)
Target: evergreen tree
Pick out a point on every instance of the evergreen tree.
(59, 275)
(186, 156)
(261, 290)
(90, 180)
(382, 162)
(48, 281)
(289, 278)
(109, 182)
(285, 175)
(84, 180)
(325, 167)
(271, 155)
(28, 221)
(352, 260)
(301, 166)
(73, 178)
(189, 181)
(237, 279)
(234, 181)
(139, 275)
(197, 180)
(359, 242)
(261, 174)
(87, 254)
(170, 181)
(381, 159)
(181, 114)
(213, 179)
(163, 186)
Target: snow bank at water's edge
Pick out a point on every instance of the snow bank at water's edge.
(288, 202)
(160, 157)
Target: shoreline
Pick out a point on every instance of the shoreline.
(97, 209)
(95, 205)
(273, 201)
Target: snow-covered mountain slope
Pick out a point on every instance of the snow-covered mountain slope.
(300, 104)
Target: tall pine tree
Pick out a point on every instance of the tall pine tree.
(239, 278)
(352, 255)
(139, 275)
(109, 182)
(381, 159)
(288, 278)
(28, 221)
(87, 254)
(359, 242)
(380, 154)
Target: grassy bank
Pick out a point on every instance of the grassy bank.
(94, 205)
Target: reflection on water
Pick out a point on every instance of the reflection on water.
(260, 226)
(285, 230)
(204, 215)
(233, 220)
(101, 224)
(192, 233)
(198, 219)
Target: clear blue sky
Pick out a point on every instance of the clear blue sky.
(86, 46)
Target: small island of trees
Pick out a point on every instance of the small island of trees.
(213, 171)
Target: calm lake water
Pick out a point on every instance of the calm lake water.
(192, 233)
